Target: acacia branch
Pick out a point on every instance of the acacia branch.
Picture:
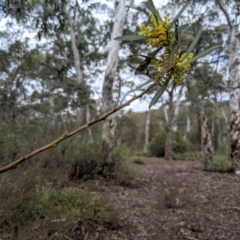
(54, 143)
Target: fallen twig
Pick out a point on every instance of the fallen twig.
(85, 238)
(68, 238)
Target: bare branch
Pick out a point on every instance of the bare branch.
(224, 12)
(54, 143)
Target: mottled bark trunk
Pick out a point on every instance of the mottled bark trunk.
(188, 127)
(84, 110)
(218, 125)
(234, 76)
(165, 113)
(206, 141)
(177, 108)
(169, 138)
(213, 126)
(147, 131)
(199, 121)
(108, 127)
(234, 102)
(168, 146)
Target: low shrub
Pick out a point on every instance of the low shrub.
(157, 144)
(137, 160)
(220, 163)
(124, 174)
(138, 153)
(223, 149)
(96, 160)
(180, 145)
(29, 210)
(91, 160)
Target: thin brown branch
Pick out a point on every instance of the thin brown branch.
(219, 3)
(54, 143)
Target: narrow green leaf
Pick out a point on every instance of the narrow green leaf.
(183, 27)
(151, 55)
(159, 93)
(145, 56)
(193, 44)
(200, 55)
(154, 53)
(151, 7)
(173, 51)
(179, 14)
(131, 38)
(142, 85)
(135, 64)
(151, 4)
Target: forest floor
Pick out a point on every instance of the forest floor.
(173, 200)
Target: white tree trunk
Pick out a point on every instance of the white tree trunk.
(111, 68)
(84, 111)
(188, 127)
(76, 55)
(218, 125)
(177, 108)
(147, 131)
(169, 137)
(234, 75)
(165, 113)
(234, 101)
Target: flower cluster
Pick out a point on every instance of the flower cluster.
(160, 36)
(159, 32)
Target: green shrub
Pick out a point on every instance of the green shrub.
(223, 149)
(176, 156)
(28, 210)
(137, 160)
(180, 145)
(138, 153)
(124, 174)
(157, 144)
(92, 160)
(220, 163)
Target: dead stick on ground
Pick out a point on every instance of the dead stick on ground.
(85, 238)
(68, 238)
(54, 143)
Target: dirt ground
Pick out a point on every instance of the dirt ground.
(173, 200)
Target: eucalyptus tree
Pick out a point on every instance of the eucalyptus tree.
(205, 82)
(231, 15)
(111, 68)
(18, 66)
(222, 20)
(170, 66)
(75, 37)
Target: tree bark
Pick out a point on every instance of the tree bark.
(84, 110)
(177, 108)
(169, 138)
(206, 141)
(147, 131)
(218, 125)
(188, 127)
(108, 127)
(234, 102)
(234, 69)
